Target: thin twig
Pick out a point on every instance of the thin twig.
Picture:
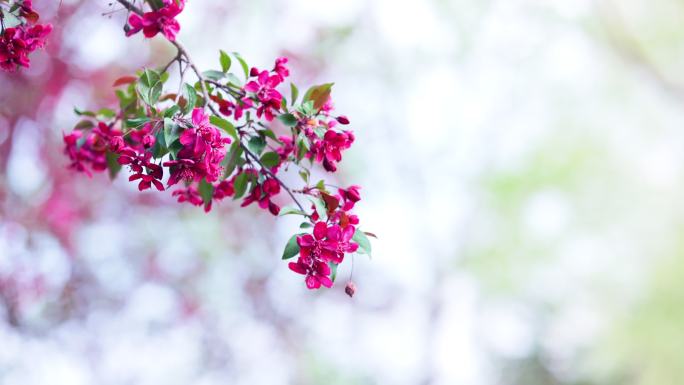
(265, 169)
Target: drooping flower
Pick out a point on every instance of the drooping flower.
(281, 68)
(16, 44)
(329, 149)
(327, 244)
(262, 194)
(143, 169)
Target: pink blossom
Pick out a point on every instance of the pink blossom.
(154, 22)
(264, 89)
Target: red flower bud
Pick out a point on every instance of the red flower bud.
(254, 72)
(350, 289)
(343, 120)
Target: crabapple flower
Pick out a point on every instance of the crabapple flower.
(154, 22)
(264, 89)
(328, 244)
(18, 42)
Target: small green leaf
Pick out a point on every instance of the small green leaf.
(171, 111)
(294, 93)
(206, 191)
(256, 144)
(106, 113)
(190, 95)
(213, 75)
(234, 80)
(302, 149)
(270, 159)
(149, 87)
(243, 63)
(171, 131)
(305, 225)
(225, 61)
(362, 240)
(240, 185)
(291, 248)
(136, 122)
(288, 120)
(159, 149)
(84, 125)
(231, 160)
(319, 95)
(174, 148)
(113, 164)
(225, 125)
(287, 210)
(305, 173)
(320, 208)
(269, 133)
(84, 113)
(333, 269)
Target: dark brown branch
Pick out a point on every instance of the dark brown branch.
(131, 7)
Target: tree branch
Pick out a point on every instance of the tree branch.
(182, 52)
(131, 7)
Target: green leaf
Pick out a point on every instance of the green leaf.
(243, 63)
(240, 185)
(190, 96)
(320, 208)
(256, 144)
(84, 125)
(319, 95)
(234, 80)
(269, 133)
(106, 113)
(171, 111)
(159, 149)
(270, 159)
(174, 148)
(213, 75)
(302, 149)
(231, 160)
(305, 225)
(225, 125)
(294, 93)
(288, 120)
(291, 248)
(225, 61)
(171, 131)
(84, 113)
(287, 210)
(149, 87)
(113, 164)
(362, 240)
(136, 122)
(305, 174)
(333, 270)
(206, 191)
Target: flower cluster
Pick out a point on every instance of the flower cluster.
(161, 20)
(225, 136)
(23, 37)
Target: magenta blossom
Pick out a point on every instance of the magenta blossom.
(329, 150)
(202, 152)
(162, 20)
(328, 244)
(16, 44)
(264, 89)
